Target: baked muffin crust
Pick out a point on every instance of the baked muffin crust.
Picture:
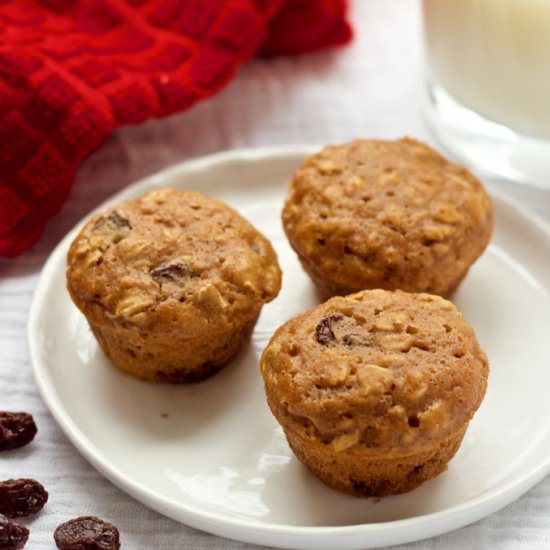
(386, 214)
(375, 379)
(170, 266)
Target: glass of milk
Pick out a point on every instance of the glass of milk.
(488, 78)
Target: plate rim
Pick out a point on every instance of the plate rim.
(243, 528)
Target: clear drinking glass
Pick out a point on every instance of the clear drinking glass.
(488, 84)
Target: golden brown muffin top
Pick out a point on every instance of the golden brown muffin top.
(389, 371)
(383, 213)
(172, 260)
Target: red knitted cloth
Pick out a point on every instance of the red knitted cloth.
(71, 71)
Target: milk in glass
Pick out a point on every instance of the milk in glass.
(493, 56)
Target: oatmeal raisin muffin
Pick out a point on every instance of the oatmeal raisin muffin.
(171, 283)
(386, 214)
(375, 390)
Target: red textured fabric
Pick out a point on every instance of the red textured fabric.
(307, 25)
(71, 71)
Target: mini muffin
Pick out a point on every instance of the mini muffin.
(375, 390)
(386, 214)
(171, 283)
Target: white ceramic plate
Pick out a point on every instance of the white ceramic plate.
(211, 455)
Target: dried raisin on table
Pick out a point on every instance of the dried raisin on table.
(21, 497)
(16, 430)
(12, 535)
(87, 533)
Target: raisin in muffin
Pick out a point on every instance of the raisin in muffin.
(171, 283)
(375, 390)
(386, 214)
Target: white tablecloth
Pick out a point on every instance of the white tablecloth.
(371, 88)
